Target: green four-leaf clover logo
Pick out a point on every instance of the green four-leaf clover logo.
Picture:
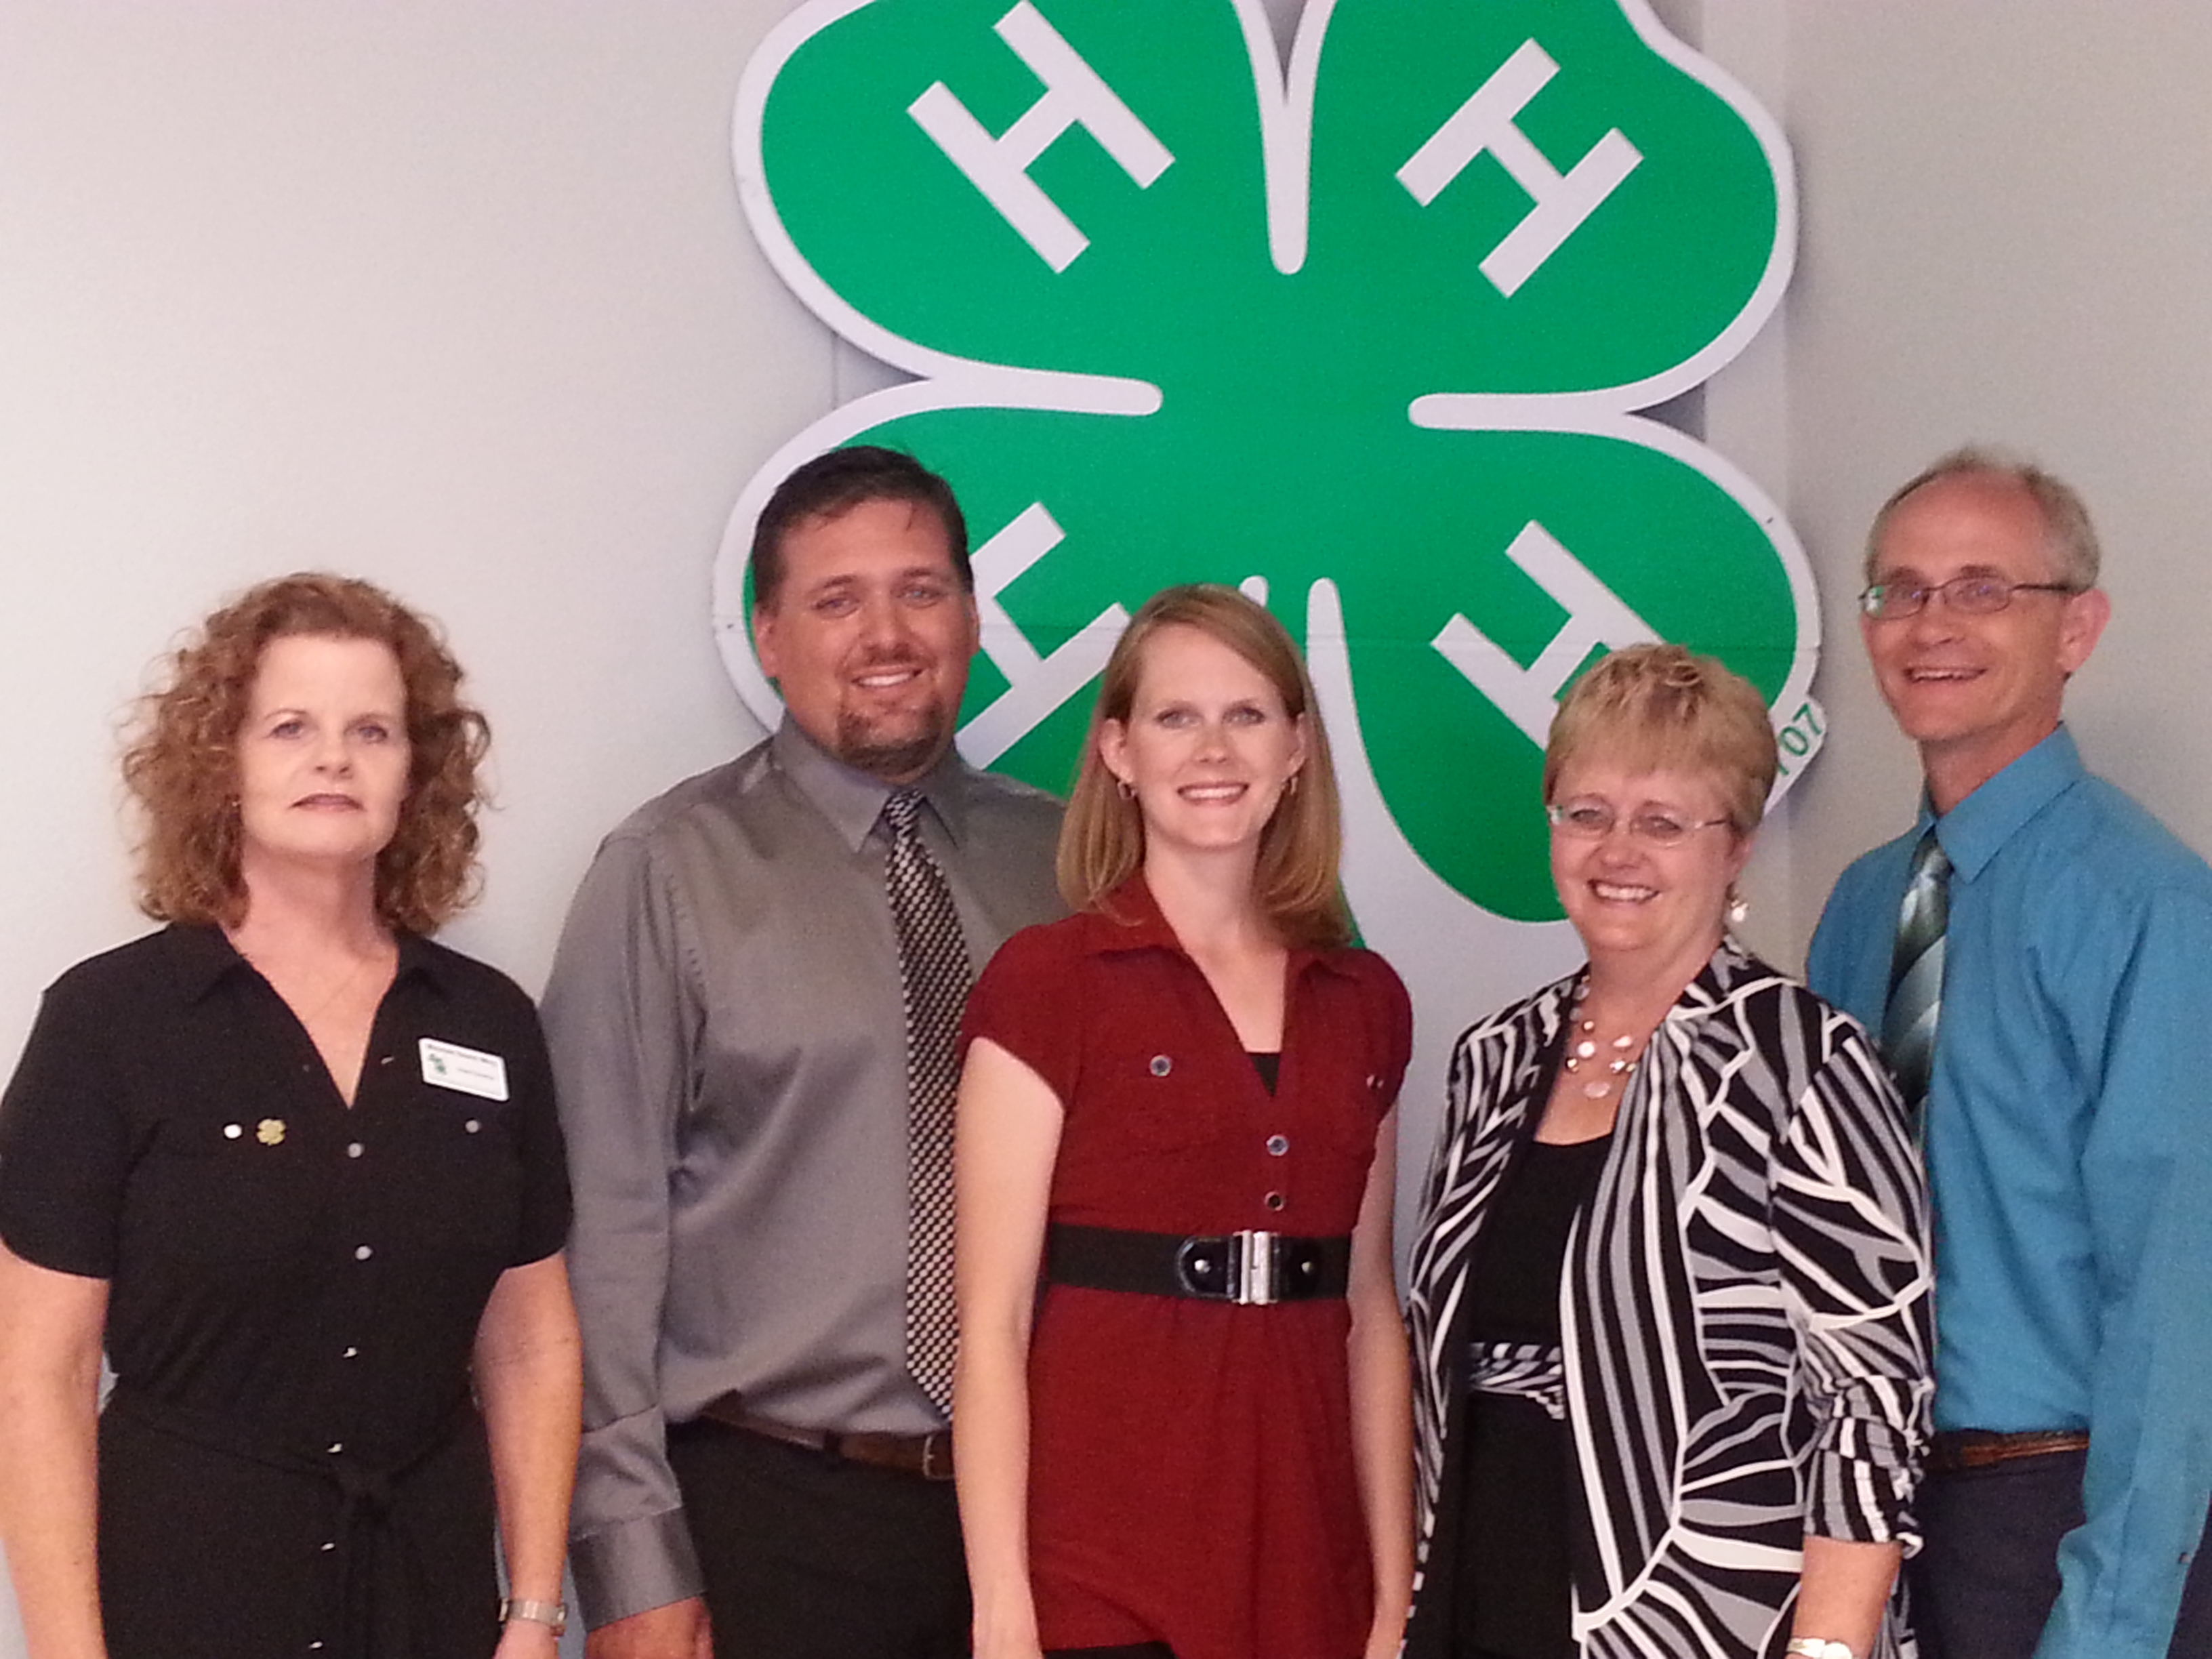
(1363, 332)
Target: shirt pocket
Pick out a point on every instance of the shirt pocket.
(229, 1187)
(1159, 1098)
(466, 1168)
(1342, 1098)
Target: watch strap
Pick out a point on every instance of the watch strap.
(554, 1613)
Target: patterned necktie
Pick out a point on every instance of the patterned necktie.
(1916, 972)
(933, 980)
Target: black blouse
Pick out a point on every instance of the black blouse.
(1513, 1293)
(272, 1251)
(1517, 1589)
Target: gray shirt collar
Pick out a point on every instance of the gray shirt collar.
(853, 800)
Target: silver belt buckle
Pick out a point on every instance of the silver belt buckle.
(931, 1443)
(1254, 1284)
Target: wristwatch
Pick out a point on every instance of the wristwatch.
(1813, 1646)
(556, 1614)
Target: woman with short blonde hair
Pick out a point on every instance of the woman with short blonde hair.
(1669, 1293)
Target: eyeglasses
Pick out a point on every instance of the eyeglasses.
(1592, 820)
(1970, 596)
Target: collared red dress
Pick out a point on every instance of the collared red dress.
(1191, 1469)
(291, 1463)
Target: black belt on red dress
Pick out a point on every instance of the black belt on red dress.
(378, 1568)
(1252, 1269)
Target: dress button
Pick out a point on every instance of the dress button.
(329, 1545)
(1162, 1066)
(351, 1353)
(1277, 1144)
(363, 1252)
(335, 1447)
(355, 1149)
(1274, 1201)
(232, 1131)
(473, 1125)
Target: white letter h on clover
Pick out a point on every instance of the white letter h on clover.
(1035, 685)
(1563, 201)
(1074, 95)
(1595, 615)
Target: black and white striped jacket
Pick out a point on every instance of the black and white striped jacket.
(1744, 1311)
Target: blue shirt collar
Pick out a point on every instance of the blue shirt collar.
(1976, 829)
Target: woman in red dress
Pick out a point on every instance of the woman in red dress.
(1177, 1113)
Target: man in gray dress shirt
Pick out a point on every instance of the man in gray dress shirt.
(762, 1475)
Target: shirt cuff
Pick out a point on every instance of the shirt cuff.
(635, 1567)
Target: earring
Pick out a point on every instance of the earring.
(1128, 789)
(1739, 906)
(1291, 788)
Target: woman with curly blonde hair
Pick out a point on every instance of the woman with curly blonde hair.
(295, 1168)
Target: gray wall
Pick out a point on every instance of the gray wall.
(2008, 238)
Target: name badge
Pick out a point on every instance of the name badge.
(468, 1070)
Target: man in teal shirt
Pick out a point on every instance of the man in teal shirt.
(2068, 1109)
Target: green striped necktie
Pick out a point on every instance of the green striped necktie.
(1915, 973)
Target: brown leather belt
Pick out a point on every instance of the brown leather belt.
(927, 1457)
(1978, 1449)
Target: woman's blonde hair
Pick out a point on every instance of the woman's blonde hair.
(181, 765)
(1658, 708)
(1102, 843)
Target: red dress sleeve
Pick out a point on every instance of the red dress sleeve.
(1028, 1003)
(1391, 1020)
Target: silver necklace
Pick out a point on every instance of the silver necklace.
(1607, 1061)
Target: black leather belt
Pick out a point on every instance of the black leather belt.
(1977, 1449)
(926, 1455)
(1252, 1269)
